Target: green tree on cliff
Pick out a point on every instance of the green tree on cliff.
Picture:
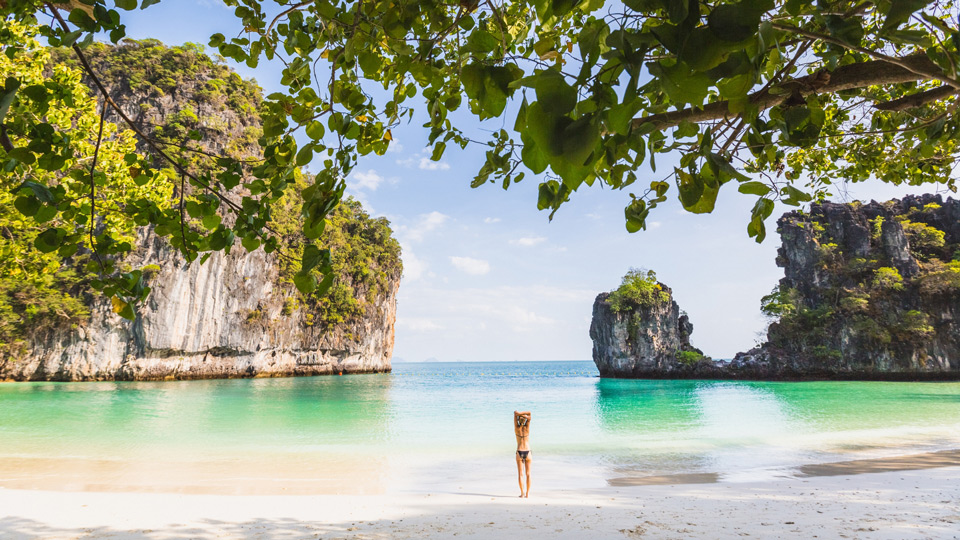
(779, 99)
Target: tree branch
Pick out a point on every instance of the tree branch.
(238, 210)
(848, 77)
(93, 185)
(935, 73)
(917, 100)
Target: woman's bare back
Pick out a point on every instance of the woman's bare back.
(521, 428)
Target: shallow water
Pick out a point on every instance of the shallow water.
(429, 426)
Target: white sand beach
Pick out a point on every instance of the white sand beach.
(896, 504)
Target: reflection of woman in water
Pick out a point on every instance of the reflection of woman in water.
(521, 427)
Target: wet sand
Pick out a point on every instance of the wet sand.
(910, 462)
(912, 497)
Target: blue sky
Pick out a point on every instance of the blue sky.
(488, 278)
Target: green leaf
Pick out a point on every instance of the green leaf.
(546, 130)
(680, 83)
(147, 3)
(489, 86)
(754, 188)
(846, 29)
(438, 151)
(592, 40)
(900, 11)
(325, 283)
(6, 96)
(737, 22)
(41, 191)
(531, 155)
(304, 156)
(480, 41)
(315, 130)
(27, 205)
(636, 215)
(554, 94)
(45, 214)
(794, 197)
(723, 170)
(736, 86)
(313, 256)
(677, 10)
(579, 139)
(68, 39)
(126, 4)
(619, 116)
(250, 242)
(23, 156)
(48, 241)
(305, 283)
(80, 18)
(690, 187)
(211, 222)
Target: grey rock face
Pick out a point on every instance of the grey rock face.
(641, 342)
(828, 254)
(224, 318)
(228, 317)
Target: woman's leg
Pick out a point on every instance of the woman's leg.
(526, 465)
(520, 473)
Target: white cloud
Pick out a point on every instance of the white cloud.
(424, 224)
(413, 266)
(469, 265)
(427, 164)
(527, 241)
(395, 146)
(491, 220)
(422, 161)
(654, 224)
(366, 180)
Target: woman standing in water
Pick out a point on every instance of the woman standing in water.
(521, 427)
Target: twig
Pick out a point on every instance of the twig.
(93, 186)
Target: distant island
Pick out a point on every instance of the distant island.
(236, 315)
(870, 292)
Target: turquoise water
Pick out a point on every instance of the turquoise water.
(449, 416)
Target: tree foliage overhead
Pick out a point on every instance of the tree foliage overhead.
(783, 98)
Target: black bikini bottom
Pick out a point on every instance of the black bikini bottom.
(523, 454)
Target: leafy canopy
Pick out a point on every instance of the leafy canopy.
(783, 98)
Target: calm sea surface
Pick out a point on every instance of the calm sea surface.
(443, 423)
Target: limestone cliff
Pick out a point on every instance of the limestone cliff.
(237, 314)
(639, 331)
(871, 291)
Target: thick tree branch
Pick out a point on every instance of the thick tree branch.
(917, 100)
(848, 77)
(930, 73)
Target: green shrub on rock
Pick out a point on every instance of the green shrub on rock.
(639, 288)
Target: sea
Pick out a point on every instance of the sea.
(447, 427)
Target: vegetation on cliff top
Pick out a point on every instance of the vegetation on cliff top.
(638, 288)
(187, 81)
(869, 294)
(47, 271)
